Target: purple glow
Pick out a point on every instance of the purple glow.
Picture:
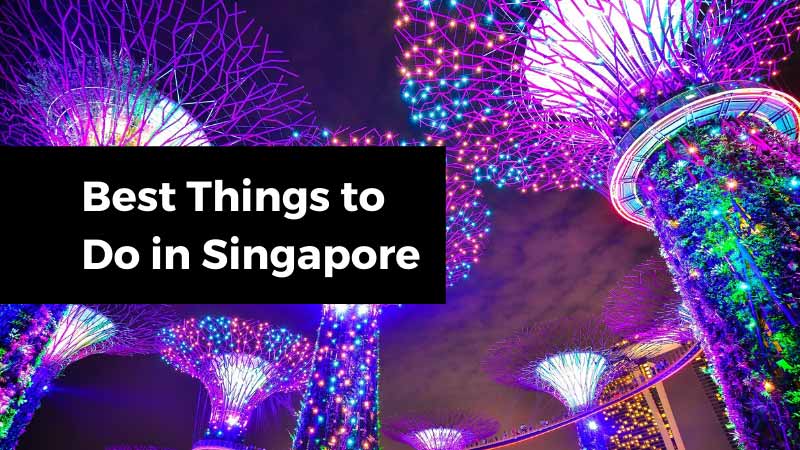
(134, 73)
(240, 363)
(85, 330)
(536, 94)
(468, 219)
(440, 431)
(571, 365)
(644, 307)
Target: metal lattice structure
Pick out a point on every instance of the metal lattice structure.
(468, 225)
(467, 216)
(537, 94)
(440, 430)
(644, 307)
(112, 329)
(136, 73)
(240, 363)
(572, 365)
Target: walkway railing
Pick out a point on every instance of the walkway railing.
(561, 423)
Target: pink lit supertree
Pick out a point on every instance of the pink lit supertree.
(646, 311)
(240, 363)
(138, 73)
(660, 106)
(81, 331)
(440, 430)
(573, 364)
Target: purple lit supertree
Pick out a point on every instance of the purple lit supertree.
(340, 409)
(646, 311)
(240, 363)
(573, 365)
(80, 331)
(439, 430)
(660, 107)
(137, 72)
(363, 137)
(467, 216)
(25, 330)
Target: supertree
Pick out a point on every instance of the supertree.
(660, 106)
(340, 409)
(134, 447)
(467, 215)
(25, 330)
(363, 137)
(137, 72)
(80, 331)
(439, 430)
(240, 363)
(573, 365)
(646, 311)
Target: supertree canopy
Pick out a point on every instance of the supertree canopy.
(240, 363)
(439, 430)
(468, 225)
(572, 365)
(112, 329)
(660, 106)
(340, 409)
(363, 137)
(467, 216)
(25, 330)
(79, 331)
(645, 309)
(137, 72)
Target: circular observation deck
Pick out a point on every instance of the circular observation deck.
(694, 107)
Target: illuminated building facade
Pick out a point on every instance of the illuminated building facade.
(646, 421)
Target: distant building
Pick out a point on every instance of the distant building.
(645, 421)
(701, 369)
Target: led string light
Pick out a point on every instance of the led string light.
(440, 430)
(240, 363)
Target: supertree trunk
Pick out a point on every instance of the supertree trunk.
(39, 385)
(26, 329)
(590, 435)
(340, 406)
(723, 199)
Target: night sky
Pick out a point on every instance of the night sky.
(550, 256)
